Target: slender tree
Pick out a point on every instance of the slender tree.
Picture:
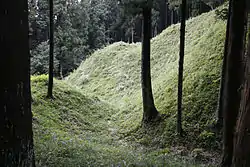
(181, 62)
(149, 110)
(233, 78)
(51, 53)
(222, 80)
(241, 144)
(16, 136)
(163, 15)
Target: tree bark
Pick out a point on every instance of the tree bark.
(241, 144)
(172, 16)
(60, 71)
(132, 35)
(181, 62)
(149, 110)
(16, 136)
(163, 15)
(51, 53)
(167, 15)
(233, 78)
(219, 123)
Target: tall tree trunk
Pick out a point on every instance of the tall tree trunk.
(132, 35)
(172, 16)
(233, 78)
(60, 73)
(16, 143)
(181, 62)
(149, 110)
(167, 14)
(178, 14)
(222, 80)
(163, 15)
(188, 10)
(155, 31)
(51, 53)
(242, 139)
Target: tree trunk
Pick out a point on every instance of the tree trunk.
(16, 140)
(132, 35)
(60, 71)
(181, 62)
(149, 110)
(51, 53)
(188, 10)
(172, 16)
(233, 78)
(246, 28)
(222, 80)
(241, 144)
(155, 32)
(175, 16)
(167, 15)
(163, 14)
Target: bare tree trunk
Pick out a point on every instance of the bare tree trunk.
(222, 80)
(163, 15)
(181, 62)
(16, 139)
(51, 53)
(132, 35)
(149, 110)
(172, 16)
(241, 144)
(60, 73)
(167, 14)
(233, 78)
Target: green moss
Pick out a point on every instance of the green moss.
(113, 74)
(95, 116)
(77, 130)
(71, 129)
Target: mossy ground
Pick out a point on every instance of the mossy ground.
(95, 116)
(113, 74)
(73, 130)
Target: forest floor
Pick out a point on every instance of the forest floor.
(74, 130)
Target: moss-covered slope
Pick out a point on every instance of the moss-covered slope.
(74, 130)
(113, 74)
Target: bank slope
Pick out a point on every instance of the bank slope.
(73, 129)
(113, 74)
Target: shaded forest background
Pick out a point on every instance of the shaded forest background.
(84, 26)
